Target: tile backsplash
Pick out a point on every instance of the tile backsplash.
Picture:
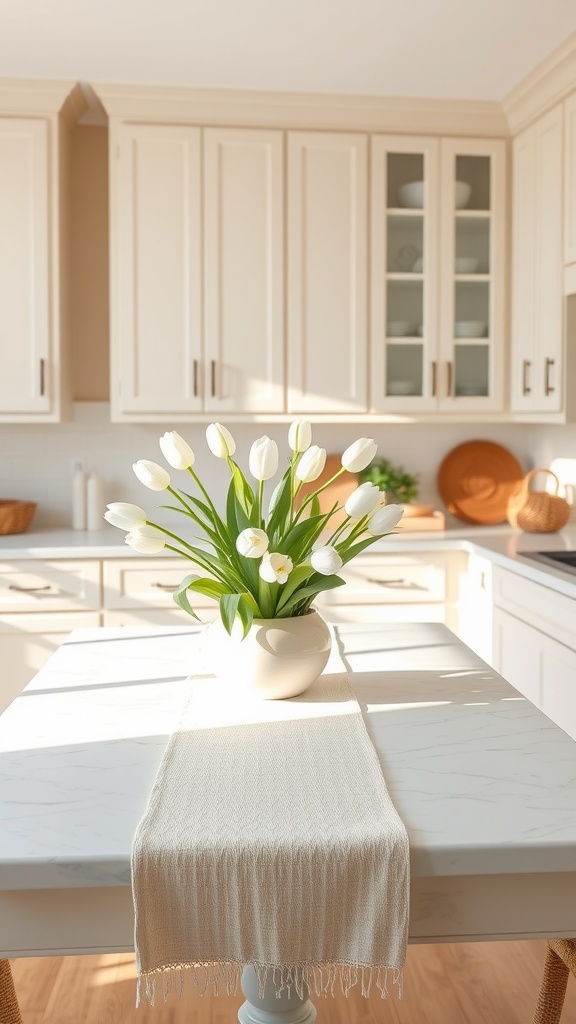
(36, 461)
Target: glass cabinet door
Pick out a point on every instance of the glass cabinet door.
(472, 248)
(404, 271)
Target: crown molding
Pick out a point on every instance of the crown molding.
(401, 115)
(42, 97)
(547, 84)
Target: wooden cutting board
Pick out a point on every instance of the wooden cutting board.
(476, 479)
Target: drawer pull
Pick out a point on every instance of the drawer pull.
(29, 590)
(165, 586)
(406, 584)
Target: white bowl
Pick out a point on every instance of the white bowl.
(399, 329)
(418, 265)
(412, 194)
(401, 387)
(466, 264)
(470, 329)
(462, 194)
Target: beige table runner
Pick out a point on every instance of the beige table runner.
(270, 839)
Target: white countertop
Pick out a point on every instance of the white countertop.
(483, 781)
(501, 544)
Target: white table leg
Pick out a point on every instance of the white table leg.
(272, 1009)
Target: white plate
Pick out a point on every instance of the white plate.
(470, 329)
(399, 329)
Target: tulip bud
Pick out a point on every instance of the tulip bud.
(124, 515)
(363, 501)
(263, 460)
(275, 568)
(151, 475)
(359, 454)
(252, 543)
(384, 520)
(300, 435)
(176, 450)
(326, 560)
(145, 539)
(220, 441)
(311, 464)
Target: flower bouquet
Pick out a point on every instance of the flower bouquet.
(257, 562)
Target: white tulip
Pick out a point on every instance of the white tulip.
(359, 454)
(275, 568)
(176, 450)
(220, 441)
(124, 515)
(326, 560)
(363, 501)
(252, 543)
(385, 519)
(145, 539)
(311, 464)
(300, 435)
(263, 460)
(151, 475)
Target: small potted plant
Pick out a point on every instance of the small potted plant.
(401, 487)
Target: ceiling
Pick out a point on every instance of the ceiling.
(466, 49)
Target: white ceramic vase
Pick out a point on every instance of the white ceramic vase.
(278, 658)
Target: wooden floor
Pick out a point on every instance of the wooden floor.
(472, 983)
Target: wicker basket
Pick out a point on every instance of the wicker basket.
(15, 516)
(538, 511)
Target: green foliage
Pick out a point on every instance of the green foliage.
(401, 487)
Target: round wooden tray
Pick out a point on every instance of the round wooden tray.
(476, 479)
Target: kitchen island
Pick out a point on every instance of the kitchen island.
(483, 781)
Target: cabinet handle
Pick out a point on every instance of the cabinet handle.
(29, 590)
(433, 378)
(195, 378)
(526, 389)
(548, 389)
(42, 376)
(386, 583)
(449, 380)
(213, 378)
(165, 586)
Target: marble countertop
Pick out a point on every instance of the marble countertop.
(501, 544)
(483, 781)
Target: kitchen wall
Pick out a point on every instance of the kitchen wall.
(35, 461)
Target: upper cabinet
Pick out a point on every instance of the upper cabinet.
(438, 274)
(196, 271)
(35, 120)
(327, 272)
(570, 180)
(537, 370)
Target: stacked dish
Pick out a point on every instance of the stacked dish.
(470, 328)
(399, 329)
(466, 265)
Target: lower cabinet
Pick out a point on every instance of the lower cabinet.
(535, 645)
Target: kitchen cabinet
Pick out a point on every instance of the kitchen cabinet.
(40, 604)
(35, 122)
(537, 369)
(437, 274)
(196, 271)
(475, 626)
(140, 591)
(327, 272)
(534, 645)
(570, 180)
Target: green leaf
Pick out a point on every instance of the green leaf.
(244, 493)
(295, 579)
(315, 506)
(317, 584)
(245, 613)
(282, 509)
(346, 554)
(181, 598)
(228, 608)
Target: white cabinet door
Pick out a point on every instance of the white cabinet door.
(537, 262)
(438, 274)
(327, 286)
(26, 348)
(570, 180)
(244, 275)
(517, 655)
(156, 292)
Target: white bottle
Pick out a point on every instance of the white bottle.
(79, 500)
(95, 503)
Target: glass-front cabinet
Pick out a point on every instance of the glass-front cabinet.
(438, 274)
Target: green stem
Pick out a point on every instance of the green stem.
(260, 497)
(197, 480)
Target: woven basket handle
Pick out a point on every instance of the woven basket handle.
(533, 472)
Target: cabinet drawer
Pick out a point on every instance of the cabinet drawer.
(541, 607)
(406, 578)
(159, 617)
(32, 586)
(148, 583)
